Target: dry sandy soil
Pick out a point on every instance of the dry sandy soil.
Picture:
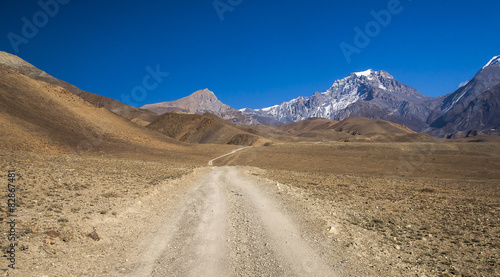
(322, 209)
(92, 216)
(424, 209)
(64, 199)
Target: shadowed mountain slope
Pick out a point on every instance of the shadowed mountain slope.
(474, 106)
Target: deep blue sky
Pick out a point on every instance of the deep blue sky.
(261, 54)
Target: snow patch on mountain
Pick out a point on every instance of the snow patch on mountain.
(462, 84)
(377, 87)
(366, 73)
(493, 61)
(269, 108)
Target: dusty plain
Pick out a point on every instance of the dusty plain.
(423, 209)
(369, 209)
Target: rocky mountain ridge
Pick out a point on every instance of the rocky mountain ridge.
(373, 94)
(473, 106)
(201, 102)
(378, 95)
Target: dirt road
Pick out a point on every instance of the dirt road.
(228, 226)
(211, 162)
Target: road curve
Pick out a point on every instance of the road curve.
(211, 162)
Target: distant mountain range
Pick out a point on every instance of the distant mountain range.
(377, 95)
(372, 94)
(40, 116)
(472, 109)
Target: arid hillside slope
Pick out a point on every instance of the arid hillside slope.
(37, 116)
(349, 129)
(19, 65)
(207, 128)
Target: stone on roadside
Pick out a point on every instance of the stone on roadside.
(94, 236)
(333, 230)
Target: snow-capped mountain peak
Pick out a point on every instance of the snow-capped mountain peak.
(345, 98)
(371, 74)
(376, 79)
(493, 61)
(366, 73)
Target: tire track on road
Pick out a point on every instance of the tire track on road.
(228, 226)
(211, 162)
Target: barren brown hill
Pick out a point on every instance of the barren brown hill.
(352, 125)
(140, 116)
(364, 126)
(479, 138)
(41, 117)
(308, 125)
(314, 129)
(350, 129)
(206, 128)
(366, 129)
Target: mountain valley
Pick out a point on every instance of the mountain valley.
(370, 178)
